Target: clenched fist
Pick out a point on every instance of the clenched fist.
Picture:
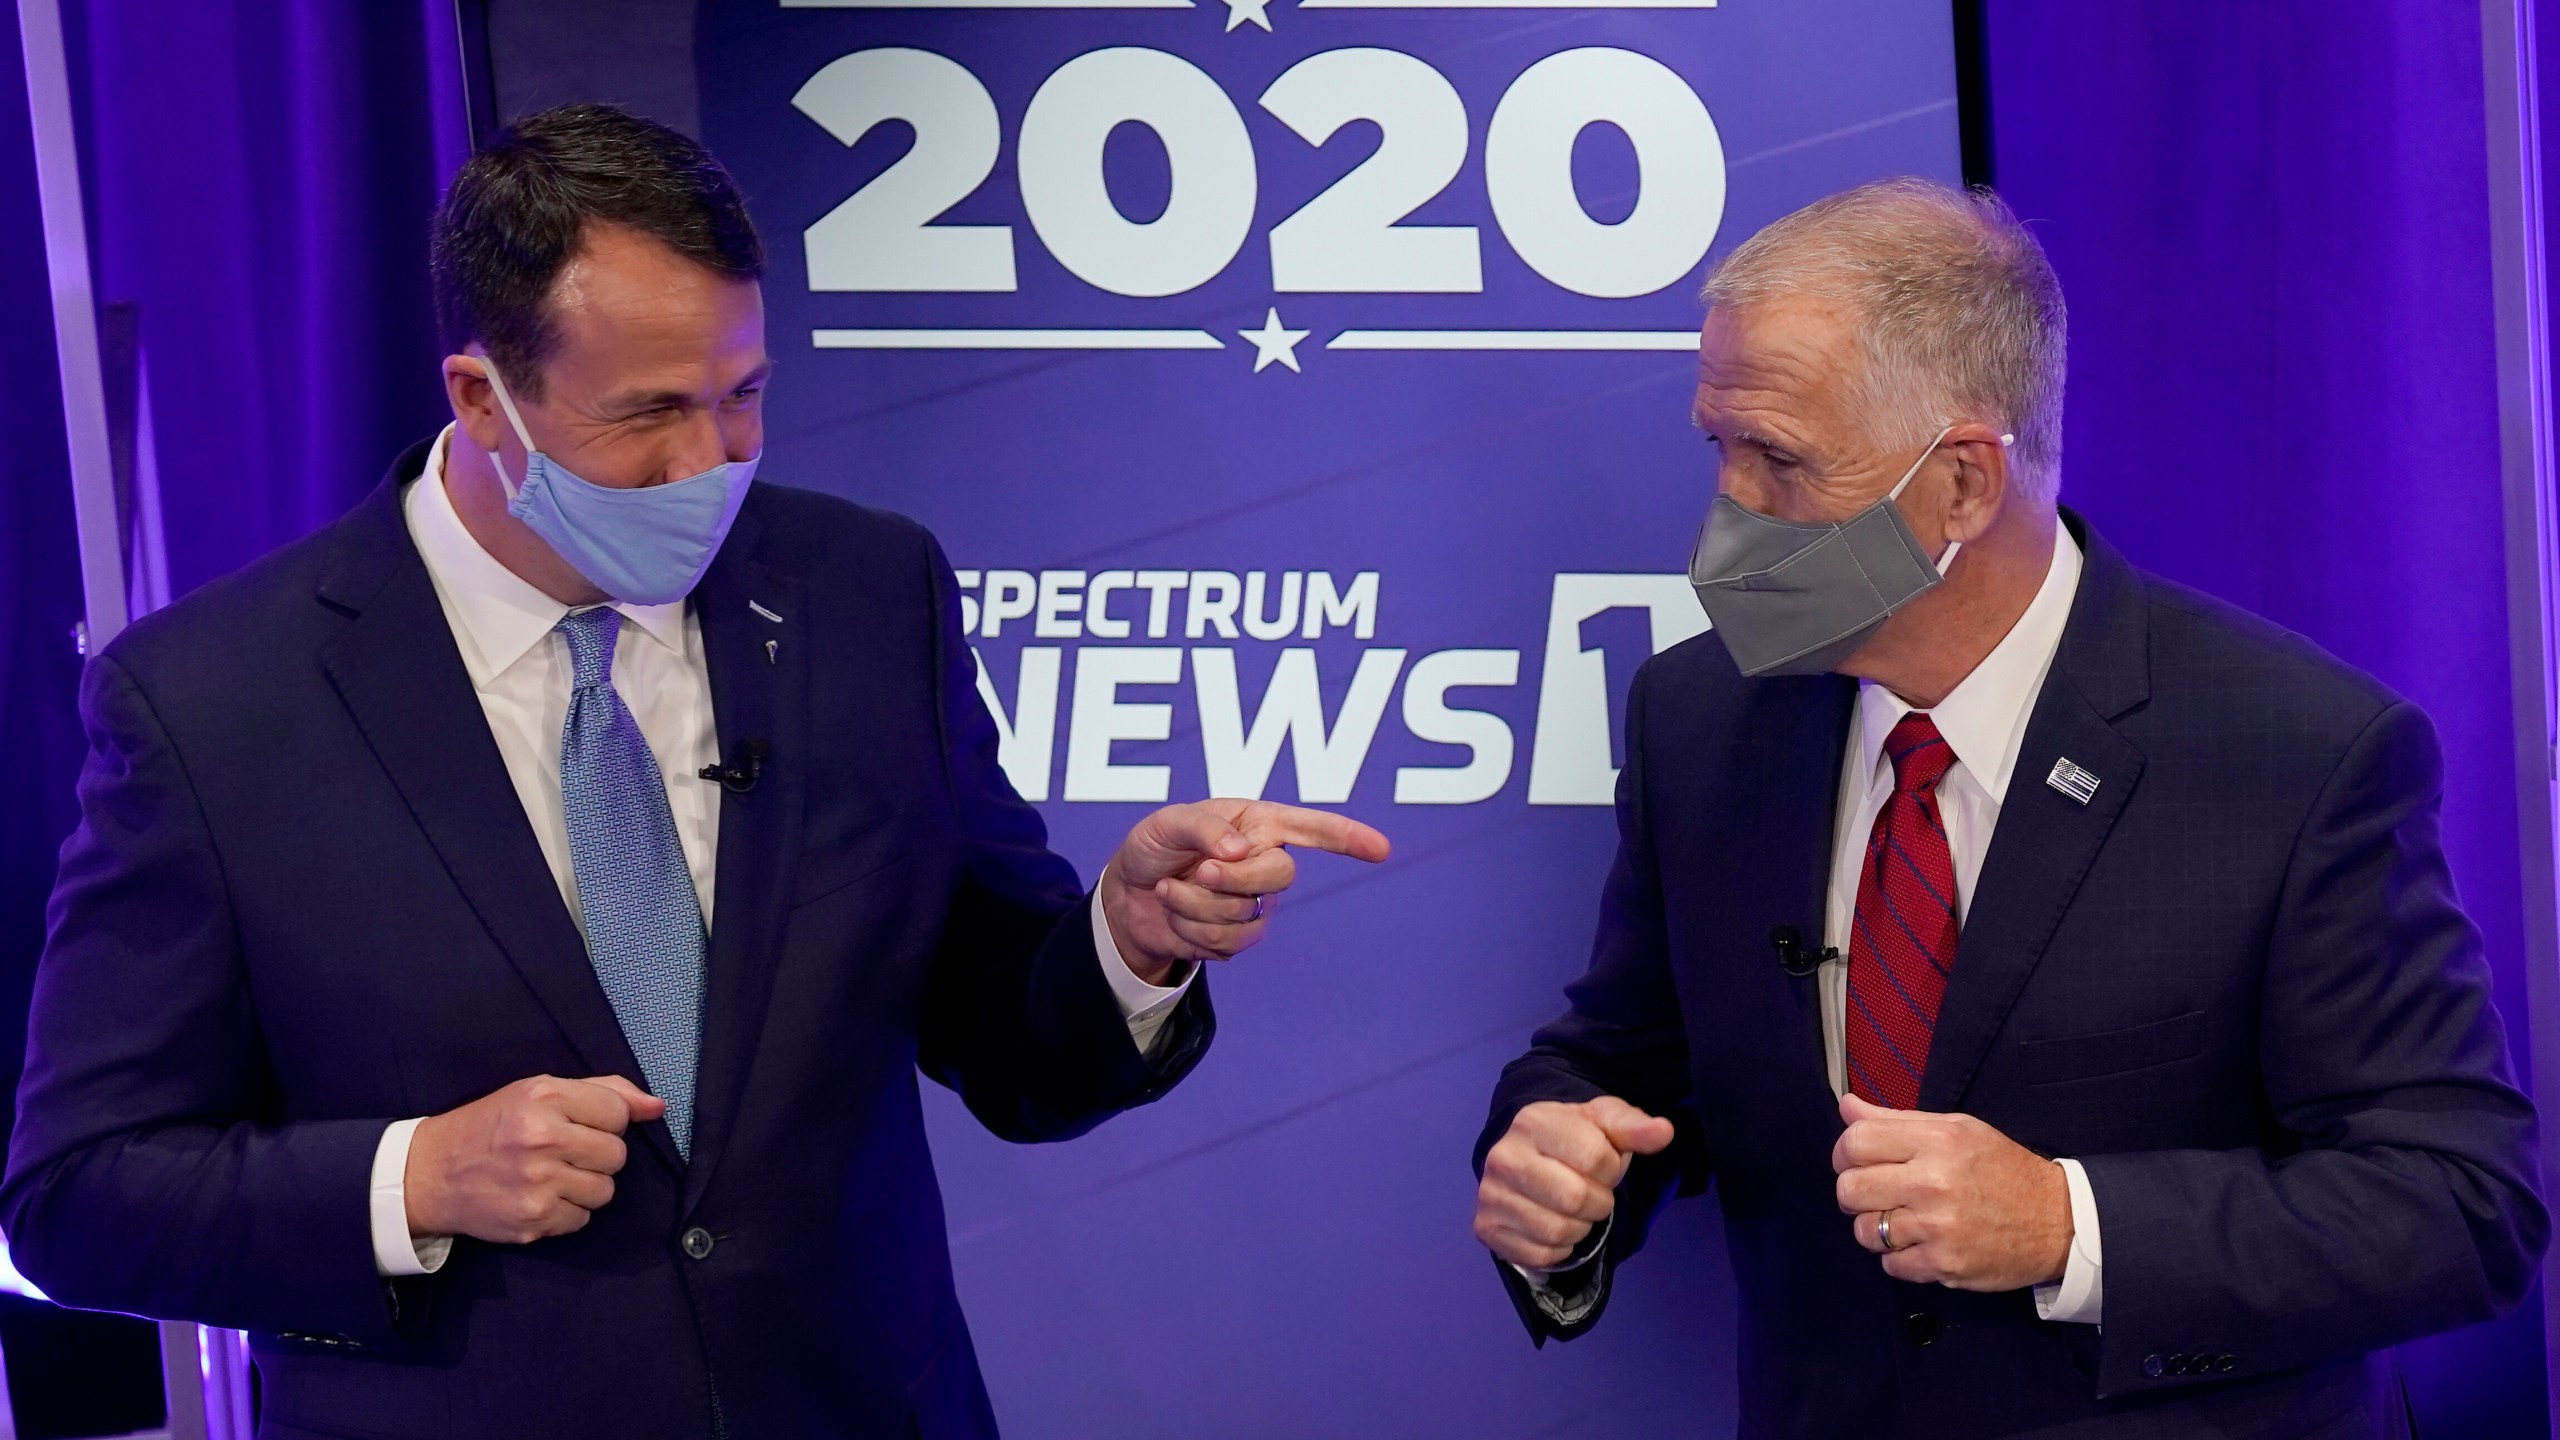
(532, 1160)
(1554, 1174)
(1964, 1205)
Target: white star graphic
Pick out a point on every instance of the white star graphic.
(1273, 343)
(1248, 12)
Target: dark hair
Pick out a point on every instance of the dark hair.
(518, 212)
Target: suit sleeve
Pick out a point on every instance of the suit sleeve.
(1019, 1018)
(1621, 1035)
(150, 1171)
(2399, 1197)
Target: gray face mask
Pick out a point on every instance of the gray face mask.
(1795, 599)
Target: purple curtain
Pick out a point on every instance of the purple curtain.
(260, 175)
(40, 599)
(2272, 224)
(69, 1373)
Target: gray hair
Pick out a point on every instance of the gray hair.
(1958, 311)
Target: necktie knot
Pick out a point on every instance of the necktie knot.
(591, 634)
(1920, 755)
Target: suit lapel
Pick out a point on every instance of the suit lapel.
(759, 692)
(1801, 817)
(2046, 840)
(1776, 822)
(401, 676)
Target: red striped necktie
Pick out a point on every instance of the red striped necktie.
(1904, 944)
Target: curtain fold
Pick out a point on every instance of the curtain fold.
(2272, 225)
(262, 173)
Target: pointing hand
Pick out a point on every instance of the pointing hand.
(1197, 882)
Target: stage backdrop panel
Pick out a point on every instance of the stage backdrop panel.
(1301, 389)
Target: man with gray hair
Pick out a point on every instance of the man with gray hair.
(2056, 970)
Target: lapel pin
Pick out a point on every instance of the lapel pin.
(2073, 781)
(770, 646)
(759, 609)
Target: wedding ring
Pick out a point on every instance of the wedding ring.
(1257, 909)
(1884, 1230)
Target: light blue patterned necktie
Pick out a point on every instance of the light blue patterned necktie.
(644, 923)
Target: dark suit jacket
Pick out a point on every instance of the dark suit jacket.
(2235, 985)
(304, 901)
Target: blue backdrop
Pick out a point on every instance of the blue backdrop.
(1282, 1247)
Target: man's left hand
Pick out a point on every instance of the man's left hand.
(1970, 1208)
(1197, 882)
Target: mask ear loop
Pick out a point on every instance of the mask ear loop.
(1949, 557)
(498, 388)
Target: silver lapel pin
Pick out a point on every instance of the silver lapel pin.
(2072, 780)
(759, 609)
(770, 646)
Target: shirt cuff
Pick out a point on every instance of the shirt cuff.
(395, 1251)
(2076, 1298)
(1553, 1302)
(1144, 1006)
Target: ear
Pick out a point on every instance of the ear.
(1980, 484)
(475, 405)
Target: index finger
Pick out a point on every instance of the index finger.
(590, 1149)
(1268, 824)
(1580, 1145)
(1873, 1187)
(599, 1103)
(1875, 1142)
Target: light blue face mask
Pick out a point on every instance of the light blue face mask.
(644, 546)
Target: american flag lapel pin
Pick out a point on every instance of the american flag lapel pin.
(2072, 780)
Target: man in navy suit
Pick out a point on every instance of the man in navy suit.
(2055, 971)
(505, 927)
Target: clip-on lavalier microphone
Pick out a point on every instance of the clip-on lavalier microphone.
(739, 779)
(1793, 957)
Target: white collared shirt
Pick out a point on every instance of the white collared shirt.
(1984, 721)
(521, 671)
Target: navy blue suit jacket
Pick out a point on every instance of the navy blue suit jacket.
(2235, 985)
(304, 901)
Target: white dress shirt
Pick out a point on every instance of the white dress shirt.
(1984, 720)
(521, 670)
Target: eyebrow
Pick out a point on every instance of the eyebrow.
(637, 402)
(1744, 435)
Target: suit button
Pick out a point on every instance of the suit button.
(2181, 1364)
(1920, 1328)
(2225, 1362)
(2153, 1367)
(697, 1243)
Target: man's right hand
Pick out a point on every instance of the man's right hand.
(533, 1160)
(1555, 1174)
